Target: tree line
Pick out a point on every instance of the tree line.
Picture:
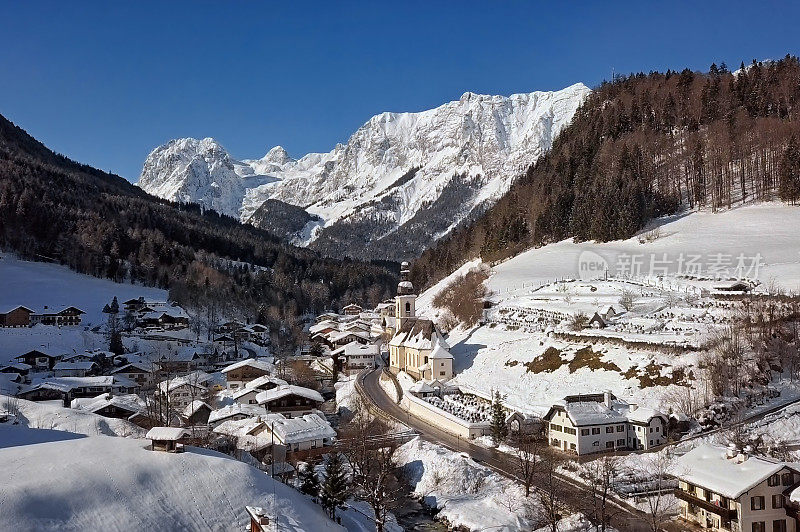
(643, 146)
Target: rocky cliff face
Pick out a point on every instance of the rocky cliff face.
(401, 181)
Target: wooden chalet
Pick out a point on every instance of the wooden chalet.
(16, 317)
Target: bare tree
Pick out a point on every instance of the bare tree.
(550, 493)
(660, 504)
(370, 455)
(627, 300)
(602, 473)
(527, 459)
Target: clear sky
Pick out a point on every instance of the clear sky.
(106, 82)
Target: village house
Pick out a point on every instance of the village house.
(75, 369)
(411, 349)
(20, 368)
(181, 391)
(139, 372)
(16, 317)
(730, 490)
(184, 360)
(240, 373)
(585, 424)
(235, 412)
(290, 400)
(39, 360)
(247, 395)
(196, 413)
(302, 433)
(70, 316)
(352, 310)
(357, 357)
(167, 439)
(109, 405)
(66, 389)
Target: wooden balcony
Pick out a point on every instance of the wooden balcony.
(709, 506)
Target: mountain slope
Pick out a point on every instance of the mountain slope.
(401, 181)
(642, 146)
(99, 224)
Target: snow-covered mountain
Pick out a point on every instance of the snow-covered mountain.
(401, 181)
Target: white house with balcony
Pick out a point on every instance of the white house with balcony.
(733, 491)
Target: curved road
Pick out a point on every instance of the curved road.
(624, 518)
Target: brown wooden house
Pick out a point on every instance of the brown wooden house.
(39, 359)
(16, 317)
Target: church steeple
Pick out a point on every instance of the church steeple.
(406, 299)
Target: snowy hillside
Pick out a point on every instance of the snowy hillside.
(57, 480)
(424, 172)
(39, 284)
(529, 349)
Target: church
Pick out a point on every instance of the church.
(416, 346)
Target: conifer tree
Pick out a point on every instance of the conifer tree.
(499, 428)
(335, 488)
(309, 482)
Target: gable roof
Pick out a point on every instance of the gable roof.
(286, 390)
(708, 466)
(416, 333)
(167, 433)
(252, 362)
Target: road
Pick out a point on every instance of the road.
(624, 518)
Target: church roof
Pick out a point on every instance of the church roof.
(416, 333)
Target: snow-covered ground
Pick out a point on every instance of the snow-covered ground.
(768, 229)
(58, 480)
(470, 495)
(39, 284)
(526, 347)
(52, 416)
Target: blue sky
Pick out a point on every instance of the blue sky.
(106, 82)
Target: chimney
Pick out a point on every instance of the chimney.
(632, 407)
(607, 398)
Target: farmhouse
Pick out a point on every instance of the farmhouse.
(75, 369)
(16, 317)
(300, 433)
(240, 373)
(725, 489)
(139, 372)
(39, 360)
(69, 316)
(235, 412)
(290, 400)
(585, 424)
(108, 405)
(352, 310)
(181, 391)
(196, 413)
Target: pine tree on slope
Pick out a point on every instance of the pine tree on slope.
(335, 488)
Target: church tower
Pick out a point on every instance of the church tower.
(405, 300)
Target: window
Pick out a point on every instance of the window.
(568, 430)
(609, 430)
(442, 373)
(596, 430)
(651, 429)
(609, 445)
(786, 479)
(620, 428)
(657, 429)
(651, 442)
(555, 443)
(759, 526)
(595, 443)
(774, 480)
(408, 306)
(584, 432)
(572, 446)
(779, 525)
(777, 501)
(621, 442)
(757, 503)
(556, 428)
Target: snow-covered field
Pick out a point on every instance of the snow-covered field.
(527, 349)
(57, 480)
(768, 229)
(36, 284)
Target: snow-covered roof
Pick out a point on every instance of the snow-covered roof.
(236, 409)
(644, 415)
(335, 336)
(261, 381)
(355, 349)
(416, 333)
(66, 384)
(193, 407)
(129, 402)
(421, 387)
(194, 380)
(286, 390)
(708, 466)
(252, 362)
(84, 365)
(592, 413)
(440, 351)
(323, 325)
(141, 366)
(167, 433)
(300, 429)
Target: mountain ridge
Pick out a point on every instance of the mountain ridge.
(475, 145)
